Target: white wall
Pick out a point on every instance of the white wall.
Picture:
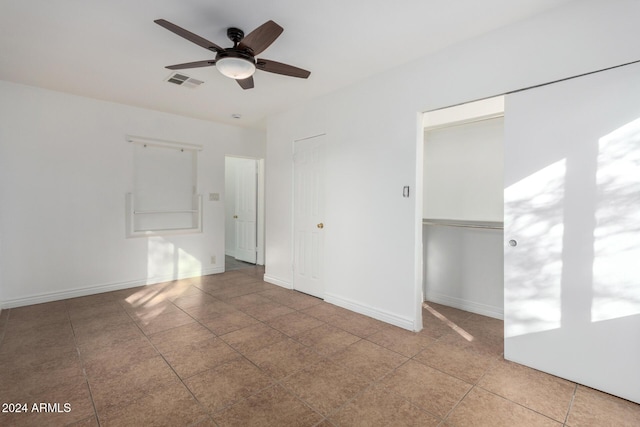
(463, 171)
(374, 133)
(64, 170)
(463, 268)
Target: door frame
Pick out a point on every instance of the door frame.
(260, 244)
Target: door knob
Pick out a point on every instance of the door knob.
(321, 225)
(513, 243)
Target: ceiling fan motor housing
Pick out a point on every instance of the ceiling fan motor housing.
(235, 35)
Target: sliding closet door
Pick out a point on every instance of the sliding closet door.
(572, 230)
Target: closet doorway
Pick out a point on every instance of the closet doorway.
(463, 207)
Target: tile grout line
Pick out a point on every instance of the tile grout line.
(206, 411)
(243, 356)
(372, 384)
(82, 364)
(263, 322)
(272, 384)
(5, 325)
(495, 363)
(473, 385)
(412, 358)
(520, 404)
(279, 382)
(573, 398)
(328, 358)
(378, 382)
(295, 339)
(444, 419)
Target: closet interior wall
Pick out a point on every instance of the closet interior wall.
(463, 214)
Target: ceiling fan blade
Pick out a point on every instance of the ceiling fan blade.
(195, 64)
(246, 83)
(280, 68)
(194, 38)
(261, 38)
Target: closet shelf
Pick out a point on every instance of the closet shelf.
(158, 222)
(489, 225)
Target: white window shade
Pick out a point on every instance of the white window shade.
(164, 197)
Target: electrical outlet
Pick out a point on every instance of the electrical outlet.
(213, 259)
(214, 197)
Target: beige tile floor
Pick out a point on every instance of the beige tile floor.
(232, 350)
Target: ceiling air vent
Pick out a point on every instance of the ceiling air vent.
(182, 80)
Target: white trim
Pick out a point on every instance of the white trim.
(482, 109)
(385, 316)
(418, 254)
(261, 214)
(466, 305)
(310, 137)
(185, 275)
(463, 122)
(98, 289)
(162, 143)
(70, 293)
(275, 281)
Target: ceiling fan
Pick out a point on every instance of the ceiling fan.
(238, 62)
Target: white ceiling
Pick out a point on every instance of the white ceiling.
(112, 49)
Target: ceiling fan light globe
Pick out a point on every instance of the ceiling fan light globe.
(236, 68)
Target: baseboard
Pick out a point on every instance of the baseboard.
(186, 275)
(466, 305)
(384, 316)
(275, 281)
(212, 270)
(99, 289)
(70, 293)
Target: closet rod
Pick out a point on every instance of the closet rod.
(490, 225)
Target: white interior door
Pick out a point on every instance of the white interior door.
(246, 188)
(308, 228)
(572, 215)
